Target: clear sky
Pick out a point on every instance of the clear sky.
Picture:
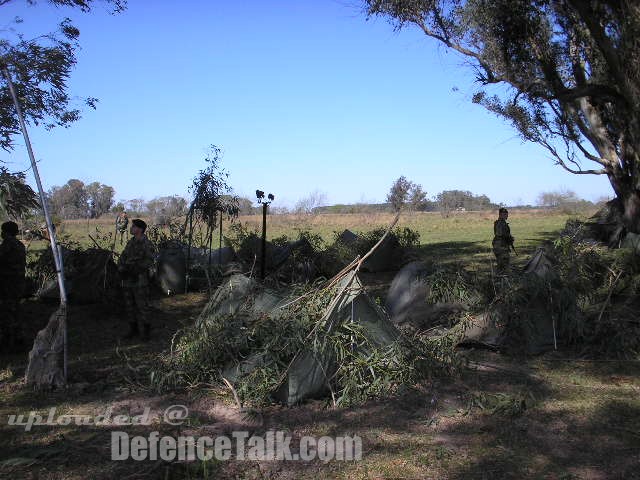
(302, 95)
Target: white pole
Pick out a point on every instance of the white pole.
(57, 257)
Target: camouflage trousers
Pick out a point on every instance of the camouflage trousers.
(11, 326)
(122, 234)
(502, 259)
(12, 333)
(136, 304)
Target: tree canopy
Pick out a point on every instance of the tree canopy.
(40, 68)
(100, 197)
(76, 200)
(16, 197)
(211, 191)
(571, 69)
(405, 193)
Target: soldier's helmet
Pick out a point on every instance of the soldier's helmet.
(139, 223)
(10, 228)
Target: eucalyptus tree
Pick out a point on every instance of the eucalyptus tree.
(40, 68)
(564, 73)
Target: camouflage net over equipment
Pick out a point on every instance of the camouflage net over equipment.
(296, 343)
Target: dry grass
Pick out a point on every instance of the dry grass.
(469, 229)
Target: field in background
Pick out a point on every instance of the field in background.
(464, 236)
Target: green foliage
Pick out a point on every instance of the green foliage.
(339, 253)
(100, 198)
(507, 404)
(76, 200)
(17, 199)
(592, 298)
(268, 344)
(407, 237)
(606, 285)
(405, 193)
(40, 68)
(237, 235)
(524, 307)
(170, 233)
(453, 286)
(211, 191)
(314, 239)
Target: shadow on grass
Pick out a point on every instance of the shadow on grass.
(562, 443)
(574, 427)
(452, 252)
(98, 357)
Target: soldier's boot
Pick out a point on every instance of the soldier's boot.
(146, 332)
(133, 331)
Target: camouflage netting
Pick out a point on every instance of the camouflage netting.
(574, 293)
(291, 344)
(287, 261)
(396, 250)
(46, 358)
(205, 266)
(91, 276)
(529, 314)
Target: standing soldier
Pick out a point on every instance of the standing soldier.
(13, 259)
(122, 222)
(502, 241)
(134, 265)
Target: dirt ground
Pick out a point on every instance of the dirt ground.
(548, 417)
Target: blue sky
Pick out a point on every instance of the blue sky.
(302, 95)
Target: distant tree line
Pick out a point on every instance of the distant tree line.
(158, 208)
(76, 200)
(444, 205)
(407, 195)
(567, 201)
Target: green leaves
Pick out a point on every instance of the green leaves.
(211, 191)
(40, 69)
(16, 197)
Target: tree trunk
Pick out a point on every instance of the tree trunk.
(631, 210)
(628, 197)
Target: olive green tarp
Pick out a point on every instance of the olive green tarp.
(308, 373)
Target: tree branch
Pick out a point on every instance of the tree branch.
(490, 75)
(589, 90)
(592, 21)
(560, 161)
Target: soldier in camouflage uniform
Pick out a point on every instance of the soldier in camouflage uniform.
(122, 222)
(12, 282)
(502, 241)
(134, 265)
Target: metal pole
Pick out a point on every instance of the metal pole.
(64, 327)
(186, 278)
(210, 229)
(220, 247)
(263, 260)
(57, 258)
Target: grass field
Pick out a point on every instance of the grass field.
(549, 417)
(464, 237)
